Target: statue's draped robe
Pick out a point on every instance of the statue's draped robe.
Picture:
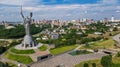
(27, 25)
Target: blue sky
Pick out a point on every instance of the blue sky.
(59, 9)
(52, 2)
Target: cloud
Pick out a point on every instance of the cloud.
(118, 11)
(9, 2)
(108, 2)
(19, 2)
(101, 9)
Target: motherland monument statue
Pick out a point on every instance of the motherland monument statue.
(28, 40)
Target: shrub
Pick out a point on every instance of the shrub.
(118, 54)
(86, 65)
(43, 48)
(110, 34)
(106, 61)
(2, 49)
(30, 51)
(93, 64)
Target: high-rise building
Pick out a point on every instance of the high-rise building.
(112, 18)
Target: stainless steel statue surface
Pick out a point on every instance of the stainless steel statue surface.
(28, 39)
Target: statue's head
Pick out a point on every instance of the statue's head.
(27, 17)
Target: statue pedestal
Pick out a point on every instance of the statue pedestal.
(28, 41)
(19, 47)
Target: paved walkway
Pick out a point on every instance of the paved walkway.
(117, 38)
(78, 47)
(67, 60)
(38, 53)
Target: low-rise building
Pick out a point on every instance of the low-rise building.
(54, 35)
(98, 33)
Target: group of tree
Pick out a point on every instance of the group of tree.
(86, 39)
(19, 31)
(71, 38)
(59, 42)
(4, 48)
(97, 27)
(65, 39)
(106, 61)
(4, 43)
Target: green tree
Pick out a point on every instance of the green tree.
(115, 29)
(86, 65)
(106, 61)
(110, 34)
(70, 24)
(93, 64)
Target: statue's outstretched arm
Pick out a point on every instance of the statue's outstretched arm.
(22, 13)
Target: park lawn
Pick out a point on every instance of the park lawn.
(43, 48)
(90, 63)
(107, 34)
(22, 59)
(115, 32)
(100, 44)
(116, 63)
(62, 49)
(93, 35)
(30, 51)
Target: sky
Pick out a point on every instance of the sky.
(59, 9)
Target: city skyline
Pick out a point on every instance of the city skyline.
(63, 9)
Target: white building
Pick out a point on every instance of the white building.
(112, 18)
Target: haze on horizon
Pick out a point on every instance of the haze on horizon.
(59, 9)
